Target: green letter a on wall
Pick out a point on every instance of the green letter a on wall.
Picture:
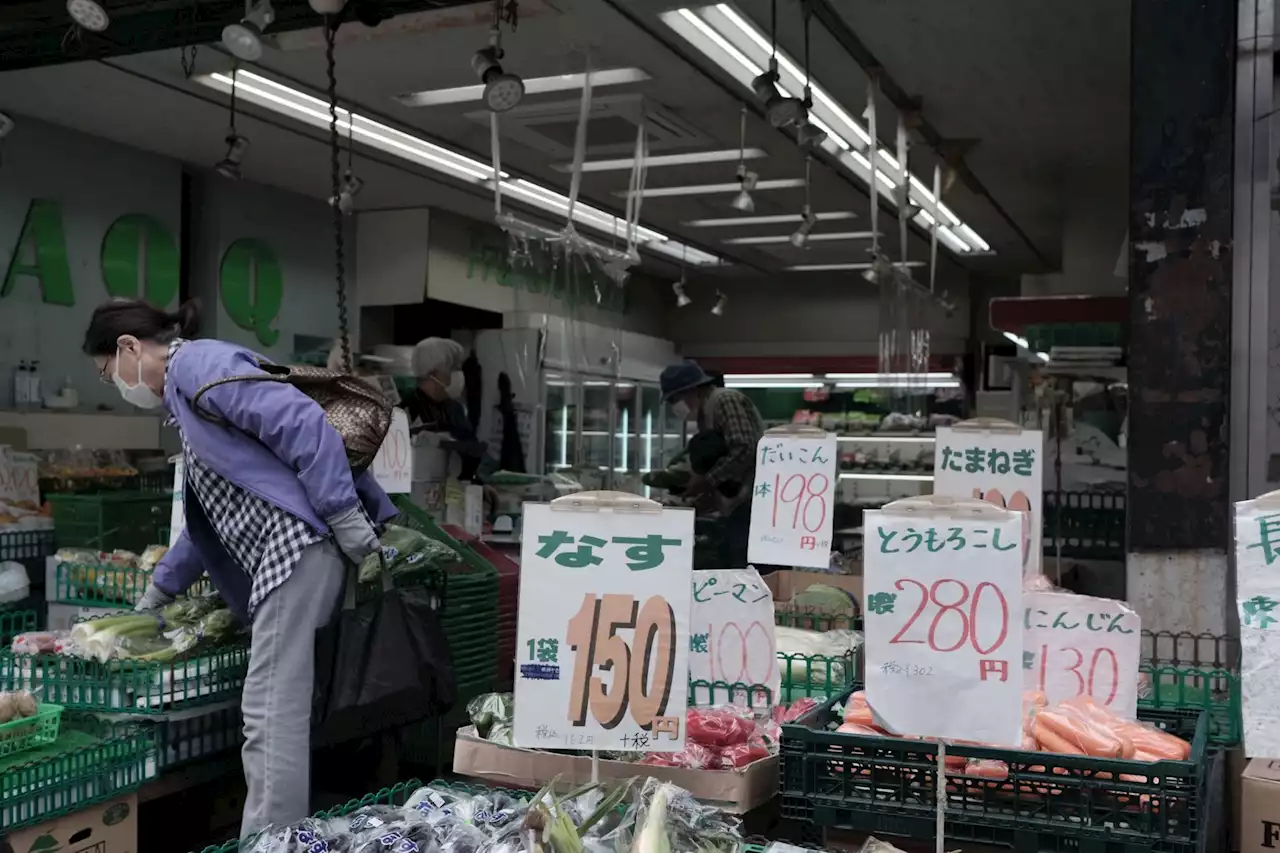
(41, 253)
(140, 259)
(252, 288)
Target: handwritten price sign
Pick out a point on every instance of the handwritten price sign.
(603, 634)
(1258, 605)
(1078, 645)
(1005, 469)
(732, 632)
(943, 596)
(24, 478)
(792, 500)
(393, 466)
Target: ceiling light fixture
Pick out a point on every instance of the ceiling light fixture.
(721, 302)
(244, 39)
(752, 184)
(736, 46)
(807, 219)
(532, 86)
(747, 180)
(693, 158)
(837, 267)
(89, 15)
(772, 239)
(237, 145)
(779, 110)
(682, 298)
(768, 219)
(502, 90)
(351, 185)
(285, 100)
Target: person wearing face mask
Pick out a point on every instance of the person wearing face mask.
(272, 512)
(435, 406)
(694, 395)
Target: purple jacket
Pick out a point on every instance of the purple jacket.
(279, 447)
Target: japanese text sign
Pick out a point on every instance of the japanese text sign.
(178, 511)
(943, 645)
(1002, 468)
(393, 466)
(792, 501)
(1257, 598)
(23, 479)
(732, 638)
(602, 651)
(1077, 645)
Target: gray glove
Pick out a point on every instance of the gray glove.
(354, 534)
(153, 598)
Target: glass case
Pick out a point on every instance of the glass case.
(560, 435)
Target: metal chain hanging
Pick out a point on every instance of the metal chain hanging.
(335, 168)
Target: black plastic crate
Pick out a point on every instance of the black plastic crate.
(1093, 525)
(26, 545)
(1047, 802)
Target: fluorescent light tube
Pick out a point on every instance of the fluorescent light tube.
(285, 100)
(918, 478)
(532, 86)
(772, 383)
(950, 382)
(746, 377)
(890, 377)
(835, 267)
(710, 189)
(813, 238)
(772, 219)
(872, 438)
(692, 158)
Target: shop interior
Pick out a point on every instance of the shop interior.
(672, 182)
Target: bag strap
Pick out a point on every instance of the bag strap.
(271, 373)
(353, 580)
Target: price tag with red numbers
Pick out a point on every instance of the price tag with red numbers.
(602, 648)
(792, 500)
(943, 605)
(1080, 645)
(393, 465)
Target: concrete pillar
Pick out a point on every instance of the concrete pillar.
(1182, 113)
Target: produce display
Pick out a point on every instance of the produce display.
(17, 705)
(817, 658)
(117, 576)
(632, 816)
(70, 470)
(407, 550)
(185, 626)
(18, 515)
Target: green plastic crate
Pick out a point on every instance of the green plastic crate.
(85, 765)
(109, 521)
(99, 585)
(17, 621)
(30, 732)
(182, 741)
(1189, 670)
(817, 676)
(133, 687)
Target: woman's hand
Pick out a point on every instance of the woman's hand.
(153, 598)
(354, 534)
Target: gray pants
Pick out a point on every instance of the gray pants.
(278, 686)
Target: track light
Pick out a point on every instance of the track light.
(721, 301)
(229, 166)
(747, 182)
(88, 14)
(502, 91)
(345, 200)
(809, 135)
(801, 235)
(780, 110)
(682, 298)
(244, 39)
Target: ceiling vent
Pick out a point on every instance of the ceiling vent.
(551, 127)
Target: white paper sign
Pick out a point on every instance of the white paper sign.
(393, 466)
(943, 643)
(1079, 645)
(602, 648)
(1002, 468)
(178, 513)
(732, 636)
(792, 501)
(1258, 602)
(24, 478)
(7, 490)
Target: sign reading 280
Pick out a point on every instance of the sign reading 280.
(139, 259)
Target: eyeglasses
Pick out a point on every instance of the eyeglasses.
(103, 377)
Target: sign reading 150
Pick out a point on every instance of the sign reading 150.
(139, 258)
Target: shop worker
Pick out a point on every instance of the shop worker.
(694, 394)
(272, 509)
(436, 412)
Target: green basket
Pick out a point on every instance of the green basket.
(26, 545)
(85, 765)
(16, 621)
(30, 732)
(133, 687)
(817, 676)
(1047, 802)
(109, 521)
(99, 585)
(1189, 670)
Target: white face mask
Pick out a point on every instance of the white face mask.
(457, 385)
(137, 395)
(681, 410)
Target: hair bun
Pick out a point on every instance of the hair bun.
(187, 317)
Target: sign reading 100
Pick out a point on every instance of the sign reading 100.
(139, 258)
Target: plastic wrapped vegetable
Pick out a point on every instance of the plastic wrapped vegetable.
(489, 709)
(719, 727)
(101, 638)
(695, 756)
(405, 550)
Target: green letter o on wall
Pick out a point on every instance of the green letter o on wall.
(252, 288)
(140, 260)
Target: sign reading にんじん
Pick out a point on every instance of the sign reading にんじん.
(943, 643)
(602, 650)
(1001, 467)
(792, 500)
(1077, 645)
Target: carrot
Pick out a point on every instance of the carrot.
(1093, 740)
(1161, 745)
(860, 729)
(1051, 741)
(859, 715)
(987, 769)
(1029, 743)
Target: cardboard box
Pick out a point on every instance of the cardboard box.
(1260, 807)
(110, 827)
(734, 791)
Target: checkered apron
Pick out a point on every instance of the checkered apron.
(263, 539)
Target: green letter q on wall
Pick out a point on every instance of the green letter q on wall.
(252, 288)
(140, 259)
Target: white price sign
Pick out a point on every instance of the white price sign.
(1077, 645)
(7, 475)
(178, 512)
(792, 501)
(1004, 468)
(732, 637)
(943, 645)
(602, 648)
(1258, 603)
(393, 466)
(24, 473)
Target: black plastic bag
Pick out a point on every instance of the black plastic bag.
(380, 664)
